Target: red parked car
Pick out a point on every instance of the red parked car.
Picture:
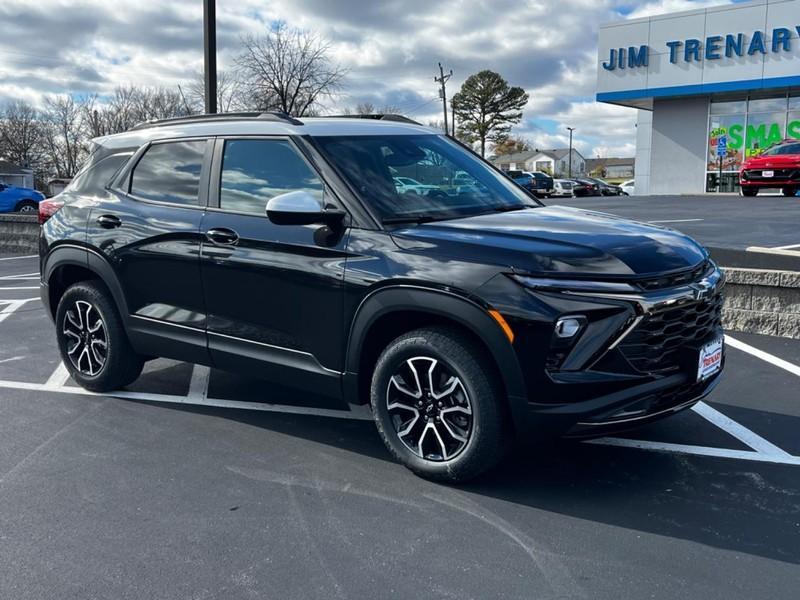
(776, 167)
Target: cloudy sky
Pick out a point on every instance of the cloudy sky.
(391, 48)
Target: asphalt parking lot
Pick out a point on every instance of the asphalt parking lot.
(190, 484)
(726, 221)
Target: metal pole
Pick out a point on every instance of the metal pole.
(571, 129)
(210, 54)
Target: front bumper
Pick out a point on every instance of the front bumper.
(635, 360)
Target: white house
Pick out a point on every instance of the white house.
(556, 162)
(11, 174)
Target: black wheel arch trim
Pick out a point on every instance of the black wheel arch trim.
(69, 254)
(450, 306)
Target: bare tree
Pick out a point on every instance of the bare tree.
(289, 70)
(230, 93)
(368, 108)
(129, 106)
(63, 141)
(20, 133)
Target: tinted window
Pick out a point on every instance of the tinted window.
(253, 171)
(170, 172)
(97, 176)
(461, 184)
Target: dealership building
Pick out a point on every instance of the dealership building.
(713, 87)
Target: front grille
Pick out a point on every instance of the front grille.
(675, 279)
(658, 342)
(778, 174)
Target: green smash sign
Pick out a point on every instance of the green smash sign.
(758, 136)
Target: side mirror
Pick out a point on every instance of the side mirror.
(301, 208)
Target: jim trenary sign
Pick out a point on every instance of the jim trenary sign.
(713, 47)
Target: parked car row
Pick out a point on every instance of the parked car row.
(543, 185)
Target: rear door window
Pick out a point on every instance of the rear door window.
(170, 172)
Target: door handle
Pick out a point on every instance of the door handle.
(108, 221)
(222, 236)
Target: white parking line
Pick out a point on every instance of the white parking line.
(23, 276)
(765, 356)
(741, 433)
(787, 247)
(19, 288)
(697, 450)
(12, 306)
(59, 377)
(175, 399)
(763, 450)
(198, 385)
(20, 257)
(677, 221)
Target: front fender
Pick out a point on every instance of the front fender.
(466, 312)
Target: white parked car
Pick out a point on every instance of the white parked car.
(406, 184)
(562, 188)
(627, 187)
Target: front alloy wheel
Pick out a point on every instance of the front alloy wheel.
(429, 409)
(87, 340)
(438, 404)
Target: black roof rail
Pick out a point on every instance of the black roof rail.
(230, 116)
(379, 117)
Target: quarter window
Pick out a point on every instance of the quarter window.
(170, 172)
(254, 171)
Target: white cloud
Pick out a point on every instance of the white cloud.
(391, 48)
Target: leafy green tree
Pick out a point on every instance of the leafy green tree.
(486, 108)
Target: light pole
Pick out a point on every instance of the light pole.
(571, 129)
(210, 54)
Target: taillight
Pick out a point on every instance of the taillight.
(47, 208)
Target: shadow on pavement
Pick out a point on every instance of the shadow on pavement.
(742, 506)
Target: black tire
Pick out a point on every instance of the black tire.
(789, 191)
(120, 365)
(488, 435)
(27, 207)
(749, 191)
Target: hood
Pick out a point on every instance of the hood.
(558, 240)
(778, 161)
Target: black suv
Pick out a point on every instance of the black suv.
(540, 184)
(467, 317)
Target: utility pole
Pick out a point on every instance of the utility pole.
(442, 79)
(571, 129)
(210, 54)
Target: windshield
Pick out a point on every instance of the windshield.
(783, 149)
(457, 183)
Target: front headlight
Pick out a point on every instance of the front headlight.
(577, 285)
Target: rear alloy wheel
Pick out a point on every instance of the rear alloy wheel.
(27, 208)
(438, 407)
(87, 340)
(93, 344)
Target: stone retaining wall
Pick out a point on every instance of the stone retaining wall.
(19, 234)
(762, 301)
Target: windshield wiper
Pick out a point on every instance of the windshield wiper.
(511, 208)
(409, 219)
